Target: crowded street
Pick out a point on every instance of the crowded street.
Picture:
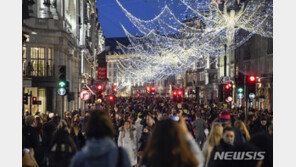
(160, 83)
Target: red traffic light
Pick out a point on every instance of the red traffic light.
(138, 94)
(100, 87)
(174, 93)
(252, 78)
(152, 89)
(114, 89)
(228, 86)
(34, 98)
(179, 92)
(111, 98)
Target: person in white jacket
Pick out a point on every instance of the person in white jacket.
(128, 140)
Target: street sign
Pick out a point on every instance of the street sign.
(240, 96)
(62, 91)
(84, 95)
(251, 95)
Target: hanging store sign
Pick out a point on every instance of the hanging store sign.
(102, 73)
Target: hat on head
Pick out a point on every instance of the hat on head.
(225, 116)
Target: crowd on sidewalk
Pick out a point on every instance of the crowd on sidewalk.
(147, 132)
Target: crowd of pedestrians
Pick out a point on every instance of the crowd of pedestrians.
(146, 132)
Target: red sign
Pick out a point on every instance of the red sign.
(102, 73)
(84, 95)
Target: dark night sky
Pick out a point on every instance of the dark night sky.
(111, 15)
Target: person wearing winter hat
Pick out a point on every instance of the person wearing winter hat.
(225, 119)
(225, 116)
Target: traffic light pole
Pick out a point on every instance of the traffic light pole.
(30, 102)
(62, 111)
(246, 99)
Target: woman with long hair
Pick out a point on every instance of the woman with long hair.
(62, 146)
(128, 139)
(213, 140)
(241, 125)
(171, 145)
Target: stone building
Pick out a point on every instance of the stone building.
(62, 32)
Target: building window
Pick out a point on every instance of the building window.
(38, 61)
(50, 63)
(40, 64)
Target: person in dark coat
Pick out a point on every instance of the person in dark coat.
(100, 149)
(199, 125)
(225, 119)
(264, 142)
(62, 147)
(76, 135)
(48, 130)
(226, 144)
(31, 137)
(263, 126)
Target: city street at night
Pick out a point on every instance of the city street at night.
(147, 83)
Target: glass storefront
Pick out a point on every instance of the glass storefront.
(40, 94)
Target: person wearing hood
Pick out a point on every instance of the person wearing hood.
(100, 149)
(128, 140)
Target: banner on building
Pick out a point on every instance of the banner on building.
(102, 73)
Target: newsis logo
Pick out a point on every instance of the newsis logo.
(239, 155)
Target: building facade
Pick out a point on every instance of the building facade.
(62, 32)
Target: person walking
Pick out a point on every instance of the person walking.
(241, 125)
(62, 147)
(215, 136)
(128, 140)
(171, 144)
(226, 144)
(199, 125)
(100, 149)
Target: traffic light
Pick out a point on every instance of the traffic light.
(111, 99)
(114, 89)
(228, 89)
(148, 89)
(251, 84)
(99, 87)
(240, 90)
(25, 98)
(62, 72)
(62, 84)
(34, 100)
(177, 95)
(138, 95)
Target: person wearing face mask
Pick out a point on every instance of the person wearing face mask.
(226, 144)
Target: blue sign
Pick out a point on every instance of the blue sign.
(61, 91)
(252, 96)
(240, 96)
